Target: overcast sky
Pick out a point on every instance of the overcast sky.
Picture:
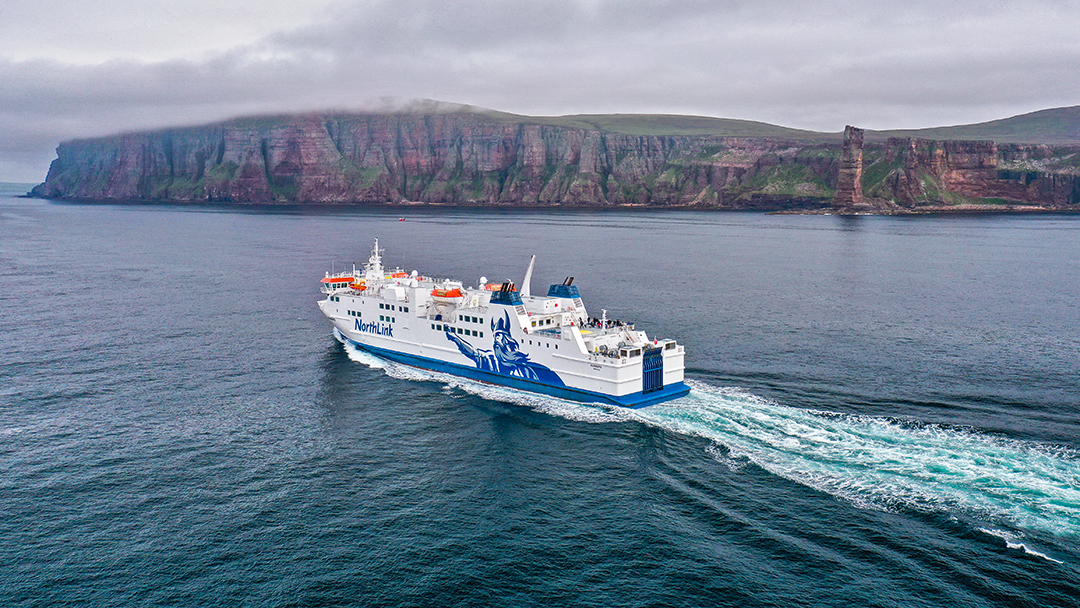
(92, 67)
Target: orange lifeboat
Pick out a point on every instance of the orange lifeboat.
(447, 296)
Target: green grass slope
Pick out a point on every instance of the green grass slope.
(1054, 126)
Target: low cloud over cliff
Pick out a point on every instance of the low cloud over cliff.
(74, 69)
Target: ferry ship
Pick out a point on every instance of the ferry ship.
(497, 334)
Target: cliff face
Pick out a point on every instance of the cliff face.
(438, 158)
(473, 159)
(916, 173)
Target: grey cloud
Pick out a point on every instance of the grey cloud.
(799, 64)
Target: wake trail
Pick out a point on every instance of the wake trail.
(873, 462)
(885, 464)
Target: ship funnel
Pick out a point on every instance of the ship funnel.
(526, 290)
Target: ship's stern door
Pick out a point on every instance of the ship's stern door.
(652, 370)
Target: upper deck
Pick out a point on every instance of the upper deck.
(559, 315)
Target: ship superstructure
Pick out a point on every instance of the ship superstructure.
(494, 333)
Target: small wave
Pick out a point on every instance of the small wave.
(1010, 539)
(361, 356)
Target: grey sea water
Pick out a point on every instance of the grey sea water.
(884, 412)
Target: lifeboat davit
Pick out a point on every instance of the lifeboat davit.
(447, 296)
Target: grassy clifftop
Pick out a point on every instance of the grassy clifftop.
(1054, 126)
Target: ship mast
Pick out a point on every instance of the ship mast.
(374, 269)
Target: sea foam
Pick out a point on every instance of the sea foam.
(872, 462)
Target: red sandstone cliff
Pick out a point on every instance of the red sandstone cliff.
(919, 173)
(452, 158)
(474, 159)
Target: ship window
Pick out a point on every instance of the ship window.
(381, 318)
(481, 334)
(380, 307)
(534, 324)
(556, 347)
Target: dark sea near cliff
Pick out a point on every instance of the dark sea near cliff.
(885, 412)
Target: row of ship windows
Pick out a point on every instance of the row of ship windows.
(547, 344)
(353, 313)
(391, 307)
(543, 322)
(335, 298)
(387, 318)
(457, 330)
(469, 319)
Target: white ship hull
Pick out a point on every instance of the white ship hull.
(545, 344)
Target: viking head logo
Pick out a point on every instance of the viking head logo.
(504, 357)
(504, 345)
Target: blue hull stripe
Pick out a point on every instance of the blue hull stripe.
(671, 391)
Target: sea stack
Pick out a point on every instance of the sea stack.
(849, 181)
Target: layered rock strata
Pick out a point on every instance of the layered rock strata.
(452, 159)
(918, 174)
(474, 159)
(849, 195)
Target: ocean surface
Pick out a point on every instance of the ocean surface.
(884, 412)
